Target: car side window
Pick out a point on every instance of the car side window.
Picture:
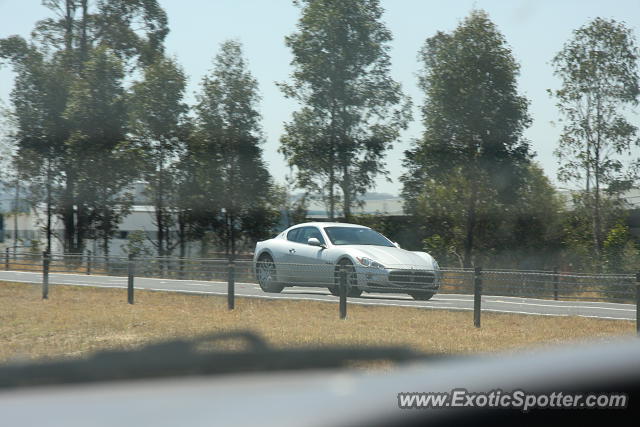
(293, 234)
(308, 232)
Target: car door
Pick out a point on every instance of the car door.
(306, 260)
(287, 249)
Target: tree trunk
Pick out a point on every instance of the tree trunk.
(48, 227)
(81, 229)
(83, 34)
(204, 246)
(332, 200)
(470, 226)
(160, 226)
(232, 237)
(16, 210)
(226, 234)
(346, 192)
(182, 234)
(182, 239)
(68, 26)
(105, 247)
(332, 176)
(68, 216)
(597, 216)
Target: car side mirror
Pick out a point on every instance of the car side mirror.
(313, 241)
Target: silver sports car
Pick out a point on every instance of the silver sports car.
(314, 254)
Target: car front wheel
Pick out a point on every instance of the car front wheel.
(353, 291)
(421, 296)
(266, 274)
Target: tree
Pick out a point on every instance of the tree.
(231, 169)
(10, 178)
(598, 68)
(578, 230)
(97, 152)
(474, 120)
(352, 111)
(528, 232)
(7, 149)
(524, 233)
(39, 101)
(134, 29)
(48, 67)
(158, 119)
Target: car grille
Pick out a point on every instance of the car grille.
(412, 278)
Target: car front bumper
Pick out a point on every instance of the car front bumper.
(398, 279)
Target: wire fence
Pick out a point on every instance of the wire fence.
(344, 278)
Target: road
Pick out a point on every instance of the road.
(499, 304)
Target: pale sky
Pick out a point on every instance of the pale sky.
(534, 29)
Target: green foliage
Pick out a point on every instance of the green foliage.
(134, 29)
(158, 120)
(34, 248)
(444, 251)
(619, 253)
(96, 151)
(352, 111)
(137, 245)
(521, 233)
(619, 250)
(472, 159)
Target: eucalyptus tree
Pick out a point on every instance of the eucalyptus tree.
(229, 137)
(598, 69)
(97, 149)
(49, 66)
(472, 147)
(351, 109)
(158, 118)
(38, 100)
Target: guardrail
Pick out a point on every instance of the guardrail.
(341, 280)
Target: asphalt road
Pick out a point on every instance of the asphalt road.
(500, 304)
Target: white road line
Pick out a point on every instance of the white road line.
(405, 305)
(561, 306)
(436, 303)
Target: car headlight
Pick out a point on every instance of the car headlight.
(368, 262)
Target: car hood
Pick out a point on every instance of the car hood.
(391, 256)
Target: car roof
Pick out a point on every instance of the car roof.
(328, 224)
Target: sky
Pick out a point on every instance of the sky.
(535, 30)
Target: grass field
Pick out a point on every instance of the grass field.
(75, 322)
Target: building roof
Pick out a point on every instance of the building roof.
(372, 204)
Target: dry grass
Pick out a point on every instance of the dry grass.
(77, 321)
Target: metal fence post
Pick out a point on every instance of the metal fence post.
(343, 293)
(231, 286)
(555, 283)
(89, 262)
(638, 303)
(477, 294)
(6, 258)
(45, 275)
(131, 271)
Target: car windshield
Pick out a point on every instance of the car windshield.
(356, 236)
